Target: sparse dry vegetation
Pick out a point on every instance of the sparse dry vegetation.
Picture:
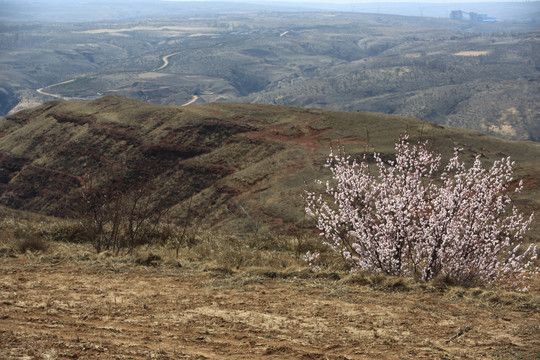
(232, 296)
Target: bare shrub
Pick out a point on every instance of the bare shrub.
(118, 211)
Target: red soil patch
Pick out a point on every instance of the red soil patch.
(303, 136)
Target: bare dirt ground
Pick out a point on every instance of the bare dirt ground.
(97, 308)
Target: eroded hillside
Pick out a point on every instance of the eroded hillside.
(243, 167)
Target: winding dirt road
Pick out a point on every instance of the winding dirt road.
(166, 63)
(43, 92)
(165, 60)
(195, 98)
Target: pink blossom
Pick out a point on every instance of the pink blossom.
(407, 217)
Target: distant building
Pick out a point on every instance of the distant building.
(456, 15)
(485, 18)
(472, 16)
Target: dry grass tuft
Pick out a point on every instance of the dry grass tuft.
(506, 298)
(495, 297)
(235, 252)
(148, 259)
(34, 244)
(379, 281)
(443, 281)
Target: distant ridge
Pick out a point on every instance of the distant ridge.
(246, 164)
(67, 11)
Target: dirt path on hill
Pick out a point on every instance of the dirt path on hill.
(165, 60)
(89, 310)
(42, 91)
(195, 98)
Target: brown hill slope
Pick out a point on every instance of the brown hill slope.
(243, 166)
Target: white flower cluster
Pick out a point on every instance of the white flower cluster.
(407, 218)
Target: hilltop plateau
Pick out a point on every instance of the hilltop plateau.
(242, 167)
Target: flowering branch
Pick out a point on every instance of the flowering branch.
(406, 220)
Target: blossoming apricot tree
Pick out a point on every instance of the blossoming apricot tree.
(405, 217)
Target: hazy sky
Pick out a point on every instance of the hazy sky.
(327, 1)
(363, 1)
